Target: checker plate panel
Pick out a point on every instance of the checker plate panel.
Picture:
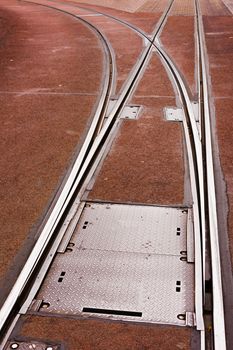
(125, 258)
(131, 228)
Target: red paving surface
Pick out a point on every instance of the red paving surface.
(46, 105)
(145, 21)
(214, 8)
(104, 335)
(178, 32)
(153, 6)
(145, 163)
(125, 55)
(128, 5)
(138, 145)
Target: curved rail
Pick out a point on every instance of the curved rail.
(199, 148)
(61, 203)
(86, 157)
(218, 308)
(197, 151)
(195, 154)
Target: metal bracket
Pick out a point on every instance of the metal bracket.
(70, 224)
(190, 238)
(36, 305)
(129, 111)
(174, 114)
(195, 106)
(190, 319)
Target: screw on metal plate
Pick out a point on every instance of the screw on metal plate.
(14, 346)
(183, 252)
(183, 258)
(174, 114)
(45, 305)
(181, 317)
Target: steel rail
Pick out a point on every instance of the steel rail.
(217, 293)
(199, 210)
(195, 157)
(196, 171)
(194, 127)
(49, 226)
(196, 176)
(205, 134)
(76, 177)
(199, 201)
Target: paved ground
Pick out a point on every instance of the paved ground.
(142, 166)
(146, 163)
(46, 106)
(129, 5)
(178, 32)
(150, 126)
(100, 335)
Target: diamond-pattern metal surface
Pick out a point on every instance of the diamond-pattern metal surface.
(125, 258)
(131, 228)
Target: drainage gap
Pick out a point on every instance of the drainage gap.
(112, 312)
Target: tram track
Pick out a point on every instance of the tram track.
(200, 165)
(204, 199)
(219, 338)
(202, 175)
(88, 155)
(59, 207)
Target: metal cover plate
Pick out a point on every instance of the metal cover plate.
(120, 263)
(132, 228)
(128, 112)
(174, 114)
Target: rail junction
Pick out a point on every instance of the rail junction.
(131, 247)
